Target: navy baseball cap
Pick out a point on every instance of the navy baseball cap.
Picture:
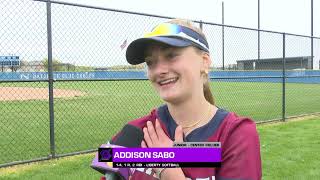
(167, 33)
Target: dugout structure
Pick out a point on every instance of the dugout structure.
(301, 62)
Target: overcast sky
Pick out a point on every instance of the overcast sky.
(293, 16)
(85, 36)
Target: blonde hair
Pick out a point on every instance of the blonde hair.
(206, 86)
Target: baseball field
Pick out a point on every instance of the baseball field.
(87, 114)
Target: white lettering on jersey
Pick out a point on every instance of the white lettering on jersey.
(208, 178)
(140, 169)
(149, 171)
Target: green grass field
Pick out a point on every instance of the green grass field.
(288, 150)
(85, 122)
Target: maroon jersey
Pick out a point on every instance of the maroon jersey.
(239, 142)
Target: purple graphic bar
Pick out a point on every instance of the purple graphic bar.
(166, 154)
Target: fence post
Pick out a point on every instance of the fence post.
(50, 76)
(284, 77)
(312, 59)
(258, 30)
(222, 15)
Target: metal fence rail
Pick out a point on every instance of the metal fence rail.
(73, 89)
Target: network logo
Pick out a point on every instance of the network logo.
(105, 154)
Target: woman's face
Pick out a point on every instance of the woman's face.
(175, 72)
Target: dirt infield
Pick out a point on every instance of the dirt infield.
(30, 93)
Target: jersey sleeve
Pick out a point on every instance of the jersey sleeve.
(241, 153)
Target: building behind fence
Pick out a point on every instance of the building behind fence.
(65, 46)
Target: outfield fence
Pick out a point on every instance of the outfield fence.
(71, 89)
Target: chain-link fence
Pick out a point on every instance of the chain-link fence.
(65, 86)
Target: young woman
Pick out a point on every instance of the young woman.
(178, 60)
